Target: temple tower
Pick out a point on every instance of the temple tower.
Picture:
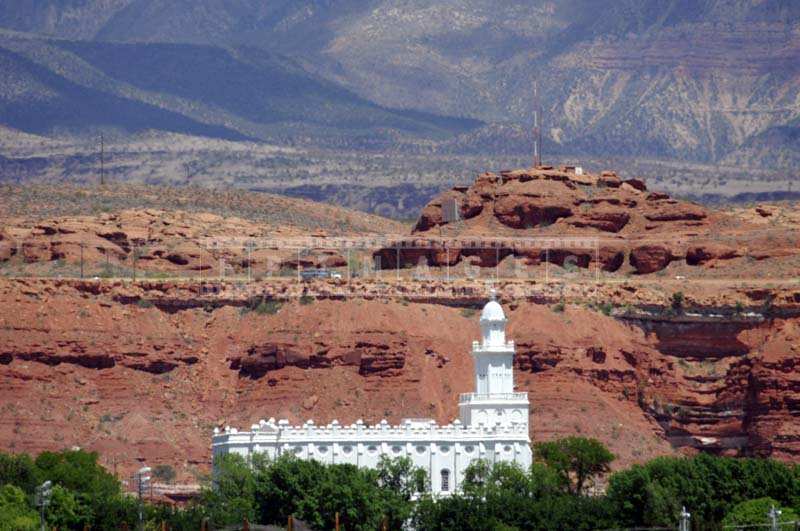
(494, 402)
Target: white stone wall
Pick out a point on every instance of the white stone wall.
(431, 447)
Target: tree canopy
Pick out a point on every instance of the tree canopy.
(575, 460)
(551, 494)
(755, 512)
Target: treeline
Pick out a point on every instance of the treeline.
(558, 492)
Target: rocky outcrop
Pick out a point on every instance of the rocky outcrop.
(729, 385)
(650, 258)
(605, 220)
(702, 254)
(530, 199)
(675, 212)
(8, 246)
(379, 355)
(547, 202)
(158, 242)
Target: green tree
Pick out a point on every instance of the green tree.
(454, 513)
(677, 300)
(15, 513)
(66, 511)
(651, 495)
(575, 460)
(754, 512)
(353, 493)
(315, 492)
(78, 471)
(232, 497)
(286, 486)
(399, 480)
(19, 470)
(95, 490)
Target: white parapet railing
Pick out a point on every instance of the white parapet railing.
(480, 397)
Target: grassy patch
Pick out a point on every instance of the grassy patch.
(268, 308)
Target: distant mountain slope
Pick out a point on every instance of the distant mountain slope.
(37, 100)
(54, 85)
(687, 80)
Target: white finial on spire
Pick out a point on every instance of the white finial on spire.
(493, 294)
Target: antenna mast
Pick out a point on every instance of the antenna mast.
(537, 126)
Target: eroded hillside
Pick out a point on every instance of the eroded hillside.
(696, 351)
(145, 371)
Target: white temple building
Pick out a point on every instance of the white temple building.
(492, 425)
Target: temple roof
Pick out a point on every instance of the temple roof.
(493, 311)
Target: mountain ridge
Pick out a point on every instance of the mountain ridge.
(678, 79)
(240, 93)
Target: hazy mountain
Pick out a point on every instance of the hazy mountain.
(58, 85)
(702, 80)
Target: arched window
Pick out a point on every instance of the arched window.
(445, 480)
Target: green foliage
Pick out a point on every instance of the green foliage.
(455, 513)
(15, 514)
(505, 497)
(754, 512)
(261, 306)
(95, 495)
(83, 492)
(559, 307)
(66, 510)
(79, 471)
(549, 495)
(268, 307)
(399, 481)
(677, 301)
(19, 470)
(107, 271)
(651, 494)
(269, 492)
(575, 460)
(306, 299)
(232, 498)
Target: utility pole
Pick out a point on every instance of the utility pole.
(249, 261)
(102, 161)
(774, 514)
(684, 522)
(537, 126)
(43, 494)
(143, 481)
